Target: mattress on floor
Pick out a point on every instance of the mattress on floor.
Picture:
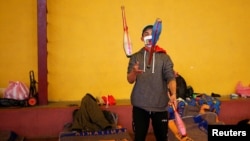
(107, 135)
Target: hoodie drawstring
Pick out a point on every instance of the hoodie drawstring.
(144, 62)
(153, 69)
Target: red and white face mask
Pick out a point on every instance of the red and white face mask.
(148, 40)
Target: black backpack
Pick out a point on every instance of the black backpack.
(183, 90)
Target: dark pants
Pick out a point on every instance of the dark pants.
(141, 120)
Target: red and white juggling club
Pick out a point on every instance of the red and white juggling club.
(127, 45)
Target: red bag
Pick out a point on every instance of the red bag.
(16, 90)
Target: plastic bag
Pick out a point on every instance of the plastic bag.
(242, 90)
(16, 90)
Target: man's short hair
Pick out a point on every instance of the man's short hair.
(146, 28)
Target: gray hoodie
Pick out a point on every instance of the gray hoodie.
(150, 88)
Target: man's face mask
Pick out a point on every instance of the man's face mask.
(147, 41)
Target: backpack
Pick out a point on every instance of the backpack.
(183, 90)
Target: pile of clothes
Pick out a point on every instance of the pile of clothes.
(90, 122)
